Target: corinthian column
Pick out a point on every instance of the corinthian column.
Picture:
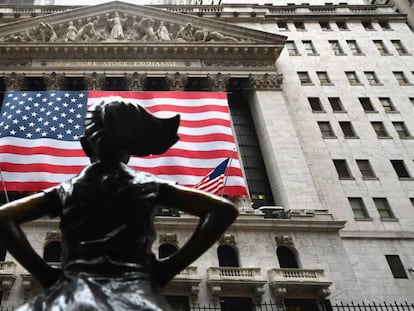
(13, 81)
(94, 81)
(218, 82)
(176, 81)
(54, 81)
(135, 81)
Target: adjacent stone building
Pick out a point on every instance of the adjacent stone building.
(322, 103)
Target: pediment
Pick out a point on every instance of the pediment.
(118, 22)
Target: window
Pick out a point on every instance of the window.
(379, 129)
(282, 25)
(304, 77)
(336, 104)
(371, 77)
(291, 47)
(342, 25)
(399, 47)
(366, 104)
(412, 100)
(384, 25)
(286, 257)
(347, 129)
(342, 169)
(166, 250)
(323, 77)
(368, 26)
(325, 25)
(401, 129)
(309, 48)
(300, 26)
(352, 77)
(400, 168)
(227, 256)
(387, 104)
(400, 77)
(315, 104)
(52, 251)
(336, 48)
(358, 207)
(384, 209)
(396, 266)
(326, 130)
(353, 46)
(381, 47)
(365, 169)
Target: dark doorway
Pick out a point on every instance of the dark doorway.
(178, 303)
(227, 256)
(52, 251)
(236, 304)
(165, 250)
(286, 257)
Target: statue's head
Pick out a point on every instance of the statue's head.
(116, 130)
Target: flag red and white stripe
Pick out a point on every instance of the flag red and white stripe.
(205, 139)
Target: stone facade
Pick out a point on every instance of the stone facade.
(341, 253)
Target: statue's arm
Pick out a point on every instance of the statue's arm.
(216, 215)
(15, 241)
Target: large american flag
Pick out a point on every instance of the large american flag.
(40, 131)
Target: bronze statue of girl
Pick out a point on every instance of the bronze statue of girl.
(107, 219)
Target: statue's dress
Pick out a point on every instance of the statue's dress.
(107, 225)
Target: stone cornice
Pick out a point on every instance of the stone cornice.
(380, 235)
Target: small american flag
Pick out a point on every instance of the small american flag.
(40, 131)
(214, 181)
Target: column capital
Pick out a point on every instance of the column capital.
(135, 81)
(54, 81)
(218, 82)
(176, 81)
(13, 81)
(94, 81)
(266, 81)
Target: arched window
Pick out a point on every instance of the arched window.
(227, 256)
(52, 251)
(286, 257)
(166, 250)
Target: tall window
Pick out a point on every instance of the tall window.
(352, 77)
(309, 47)
(286, 257)
(336, 47)
(381, 47)
(400, 77)
(399, 47)
(353, 46)
(379, 129)
(52, 251)
(371, 77)
(401, 129)
(282, 25)
(326, 129)
(227, 256)
(342, 168)
(400, 168)
(384, 209)
(366, 104)
(291, 47)
(323, 77)
(336, 104)
(365, 169)
(166, 249)
(384, 25)
(342, 25)
(252, 159)
(304, 77)
(347, 129)
(358, 208)
(315, 104)
(396, 266)
(387, 104)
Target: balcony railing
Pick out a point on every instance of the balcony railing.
(186, 282)
(285, 281)
(7, 275)
(234, 273)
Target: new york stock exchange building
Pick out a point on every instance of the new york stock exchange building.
(321, 103)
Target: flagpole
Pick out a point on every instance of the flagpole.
(225, 172)
(4, 186)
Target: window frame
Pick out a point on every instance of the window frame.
(309, 47)
(372, 78)
(401, 129)
(324, 78)
(365, 168)
(366, 104)
(342, 169)
(401, 77)
(380, 130)
(336, 47)
(353, 78)
(399, 47)
(326, 129)
(381, 47)
(336, 101)
(292, 48)
(396, 266)
(387, 104)
(315, 103)
(307, 81)
(354, 47)
(400, 169)
(347, 129)
(359, 206)
(384, 209)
